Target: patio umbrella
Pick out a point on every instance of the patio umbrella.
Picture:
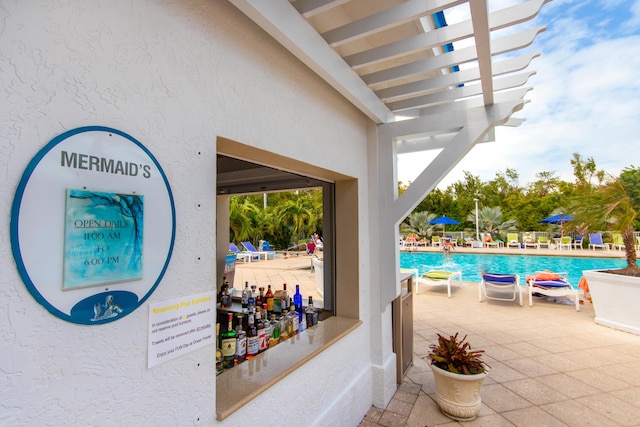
(557, 219)
(443, 220)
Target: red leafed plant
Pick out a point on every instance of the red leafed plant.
(456, 356)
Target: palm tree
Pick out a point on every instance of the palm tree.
(610, 204)
(298, 215)
(418, 223)
(240, 225)
(490, 221)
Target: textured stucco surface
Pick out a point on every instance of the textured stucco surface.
(174, 75)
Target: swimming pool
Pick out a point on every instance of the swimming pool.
(472, 264)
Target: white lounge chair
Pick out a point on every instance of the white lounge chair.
(439, 278)
(577, 243)
(501, 287)
(565, 243)
(544, 241)
(512, 240)
(252, 250)
(553, 285)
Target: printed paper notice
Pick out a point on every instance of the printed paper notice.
(179, 326)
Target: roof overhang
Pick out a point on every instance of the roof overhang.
(394, 58)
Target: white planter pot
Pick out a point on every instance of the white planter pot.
(615, 300)
(457, 395)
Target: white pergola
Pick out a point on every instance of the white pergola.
(394, 59)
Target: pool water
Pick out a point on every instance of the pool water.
(472, 264)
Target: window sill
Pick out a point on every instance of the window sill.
(238, 386)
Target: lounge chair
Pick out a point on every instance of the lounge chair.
(553, 285)
(617, 241)
(435, 241)
(490, 243)
(423, 242)
(243, 255)
(266, 246)
(529, 242)
(565, 242)
(501, 287)
(512, 240)
(439, 278)
(543, 241)
(595, 241)
(577, 242)
(252, 250)
(469, 242)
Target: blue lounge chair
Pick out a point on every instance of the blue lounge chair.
(252, 250)
(265, 246)
(553, 285)
(501, 287)
(577, 243)
(244, 256)
(595, 241)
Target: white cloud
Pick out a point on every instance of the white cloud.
(585, 99)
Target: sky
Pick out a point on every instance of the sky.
(585, 97)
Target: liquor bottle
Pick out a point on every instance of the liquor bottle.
(219, 358)
(253, 343)
(275, 331)
(285, 326)
(295, 322)
(226, 297)
(252, 304)
(254, 294)
(285, 297)
(222, 287)
(229, 345)
(302, 319)
(267, 325)
(262, 345)
(260, 298)
(245, 297)
(311, 313)
(297, 301)
(241, 341)
(269, 298)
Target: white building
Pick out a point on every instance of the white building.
(309, 87)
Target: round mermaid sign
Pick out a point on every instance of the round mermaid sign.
(92, 225)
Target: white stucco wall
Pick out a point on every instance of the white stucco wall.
(174, 75)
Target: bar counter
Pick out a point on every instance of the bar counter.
(239, 385)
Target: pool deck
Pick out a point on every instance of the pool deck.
(600, 253)
(550, 365)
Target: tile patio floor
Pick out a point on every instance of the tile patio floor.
(550, 365)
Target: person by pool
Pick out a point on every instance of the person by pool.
(447, 246)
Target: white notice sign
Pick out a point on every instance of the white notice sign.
(179, 326)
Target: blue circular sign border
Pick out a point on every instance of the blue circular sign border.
(15, 213)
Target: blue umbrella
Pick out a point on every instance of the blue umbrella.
(443, 220)
(557, 219)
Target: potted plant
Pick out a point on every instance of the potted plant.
(614, 293)
(459, 373)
